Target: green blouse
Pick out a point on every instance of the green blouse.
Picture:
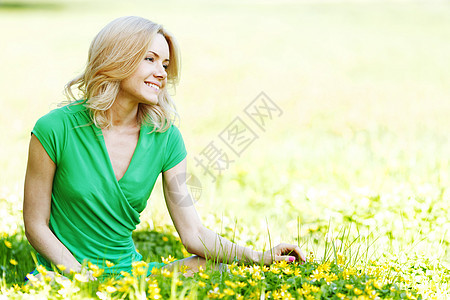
(92, 213)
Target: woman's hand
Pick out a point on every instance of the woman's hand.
(283, 251)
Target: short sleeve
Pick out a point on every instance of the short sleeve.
(175, 149)
(49, 130)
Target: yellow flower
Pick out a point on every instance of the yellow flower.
(257, 276)
(324, 267)
(13, 262)
(96, 270)
(276, 295)
(231, 284)
(203, 275)
(139, 271)
(274, 270)
(315, 289)
(252, 283)
(42, 270)
(31, 277)
(110, 289)
(284, 287)
(409, 295)
(109, 264)
(232, 265)
(357, 291)
(303, 291)
(310, 297)
(201, 284)
(340, 295)
(139, 264)
(282, 264)
(241, 284)
(129, 280)
(228, 292)
(239, 297)
(349, 286)
(183, 269)
(317, 275)
(330, 277)
(122, 288)
(288, 271)
(368, 290)
(124, 274)
(254, 269)
(61, 267)
(8, 244)
(165, 238)
(307, 287)
(153, 290)
(81, 278)
(168, 260)
(166, 273)
(185, 252)
(378, 285)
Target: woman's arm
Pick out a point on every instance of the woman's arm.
(204, 242)
(36, 208)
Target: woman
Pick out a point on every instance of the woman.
(93, 163)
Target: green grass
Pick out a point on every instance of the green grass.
(362, 143)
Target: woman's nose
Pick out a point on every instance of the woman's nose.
(160, 72)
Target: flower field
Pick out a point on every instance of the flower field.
(354, 167)
(335, 278)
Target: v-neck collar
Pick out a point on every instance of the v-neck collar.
(102, 142)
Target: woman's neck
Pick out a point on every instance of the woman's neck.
(124, 114)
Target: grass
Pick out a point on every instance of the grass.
(338, 274)
(357, 164)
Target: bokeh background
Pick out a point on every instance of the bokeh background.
(363, 141)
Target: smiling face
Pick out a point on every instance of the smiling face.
(150, 77)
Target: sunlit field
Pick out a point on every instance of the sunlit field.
(349, 158)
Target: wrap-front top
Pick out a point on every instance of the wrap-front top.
(92, 213)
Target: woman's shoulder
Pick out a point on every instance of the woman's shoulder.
(62, 113)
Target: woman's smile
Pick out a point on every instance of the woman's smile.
(151, 71)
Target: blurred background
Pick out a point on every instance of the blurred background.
(362, 141)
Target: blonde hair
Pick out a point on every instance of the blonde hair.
(115, 54)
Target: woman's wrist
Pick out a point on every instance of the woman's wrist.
(256, 257)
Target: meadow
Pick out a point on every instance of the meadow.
(354, 166)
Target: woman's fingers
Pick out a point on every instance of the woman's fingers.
(291, 252)
(284, 251)
(299, 253)
(287, 258)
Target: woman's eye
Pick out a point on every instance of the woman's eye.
(166, 66)
(149, 58)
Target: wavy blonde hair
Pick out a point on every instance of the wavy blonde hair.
(115, 54)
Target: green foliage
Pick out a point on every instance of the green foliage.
(153, 244)
(281, 280)
(15, 258)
